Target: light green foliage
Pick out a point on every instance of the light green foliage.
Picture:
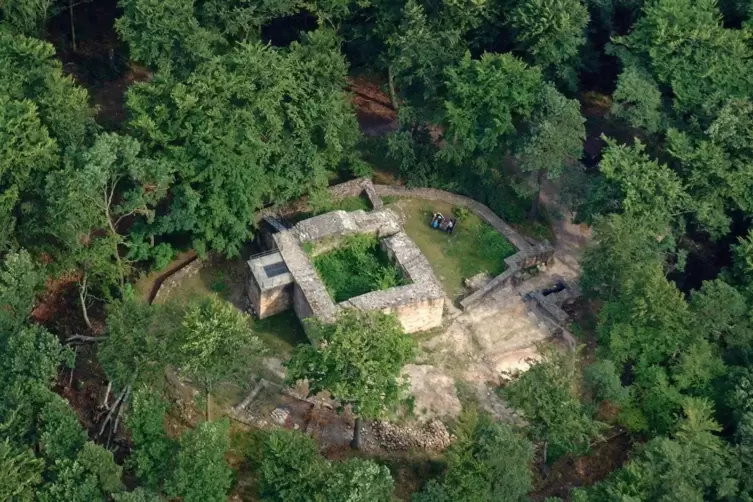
(637, 100)
(216, 342)
(138, 495)
(554, 141)
(551, 32)
(357, 359)
(21, 473)
(201, 473)
(357, 266)
(26, 17)
(651, 192)
(487, 461)
(91, 475)
(622, 245)
(556, 135)
(358, 480)
(603, 379)
(647, 322)
(153, 450)
(547, 396)
(686, 48)
(292, 470)
(695, 466)
(485, 99)
(253, 126)
(20, 281)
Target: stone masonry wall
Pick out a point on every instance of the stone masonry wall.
(275, 300)
(534, 255)
(357, 187)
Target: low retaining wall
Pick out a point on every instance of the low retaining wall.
(531, 257)
(475, 207)
(190, 269)
(357, 187)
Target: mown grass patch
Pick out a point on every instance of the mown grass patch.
(356, 267)
(473, 247)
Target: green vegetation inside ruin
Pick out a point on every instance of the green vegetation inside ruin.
(356, 267)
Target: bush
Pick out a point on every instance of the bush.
(356, 267)
(163, 255)
(603, 381)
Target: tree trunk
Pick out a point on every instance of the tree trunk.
(106, 400)
(73, 25)
(391, 85)
(356, 443)
(209, 400)
(544, 454)
(533, 213)
(82, 296)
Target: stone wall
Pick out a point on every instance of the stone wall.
(271, 301)
(357, 187)
(174, 280)
(310, 297)
(475, 207)
(419, 305)
(530, 257)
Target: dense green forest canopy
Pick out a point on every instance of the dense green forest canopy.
(246, 104)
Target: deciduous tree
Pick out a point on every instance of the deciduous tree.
(201, 473)
(547, 396)
(253, 126)
(551, 33)
(357, 359)
(487, 461)
(216, 343)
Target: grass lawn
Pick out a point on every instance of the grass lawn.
(473, 247)
(226, 278)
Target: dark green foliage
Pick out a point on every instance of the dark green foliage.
(547, 396)
(26, 17)
(551, 33)
(695, 465)
(356, 266)
(153, 450)
(292, 470)
(685, 47)
(603, 379)
(42, 115)
(487, 461)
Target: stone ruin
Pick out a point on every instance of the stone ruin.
(285, 276)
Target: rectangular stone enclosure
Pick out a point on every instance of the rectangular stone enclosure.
(418, 305)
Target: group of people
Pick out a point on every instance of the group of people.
(439, 222)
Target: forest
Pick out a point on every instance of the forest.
(133, 132)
